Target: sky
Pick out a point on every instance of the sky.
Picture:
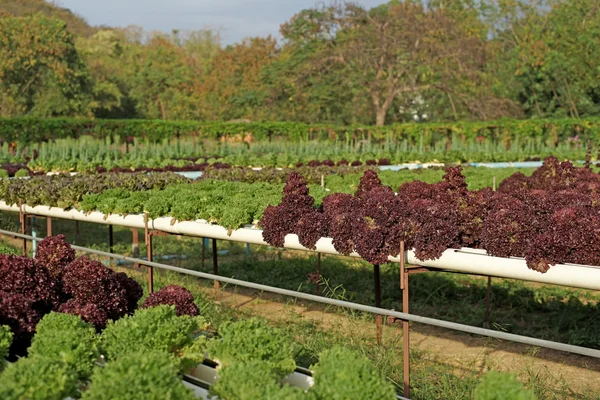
(236, 19)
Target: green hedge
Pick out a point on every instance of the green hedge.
(550, 131)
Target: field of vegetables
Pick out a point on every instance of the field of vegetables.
(75, 328)
(550, 217)
(94, 155)
(99, 146)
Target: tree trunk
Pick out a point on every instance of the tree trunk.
(380, 116)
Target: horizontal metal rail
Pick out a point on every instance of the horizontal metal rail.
(346, 304)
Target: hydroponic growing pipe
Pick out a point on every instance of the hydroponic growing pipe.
(464, 260)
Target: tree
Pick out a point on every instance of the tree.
(202, 45)
(104, 54)
(399, 50)
(163, 81)
(548, 55)
(51, 9)
(41, 73)
(302, 87)
(234, 86)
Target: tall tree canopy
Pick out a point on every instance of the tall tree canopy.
(41, 72)
(404, 60)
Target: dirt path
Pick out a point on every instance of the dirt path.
(462, 352)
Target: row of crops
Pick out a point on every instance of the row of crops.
(31, 130)
(547, 218)
(73, 328)
(96, 156)
(88, 154)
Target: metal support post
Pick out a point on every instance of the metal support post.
(405, 326)
(488, 295)
(111, 243)
(216, 268)
(48, 226)
(203, 252)
(135, 245)
(148, 240)
(318, 272)
(378, 318)
(34, 234)
(23, 221)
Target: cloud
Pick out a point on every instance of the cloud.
(237, 18)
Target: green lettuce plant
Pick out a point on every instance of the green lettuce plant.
(156, 328)
(501, 386)
(67, 338)
(344, 374)
(6, 337)
(250, 380)
(140, 375)
(38, 378)
(22, 173)
(253, 340)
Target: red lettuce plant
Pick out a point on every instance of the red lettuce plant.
(90, 282)
(20, 314)
(311, 227)
(88, 312)
(22, 275)
(176, 296)
(340, 209)
(551, 217)
(278, 221)
(54, 253)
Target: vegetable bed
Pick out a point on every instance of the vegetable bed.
(551, 217)
(145, 348)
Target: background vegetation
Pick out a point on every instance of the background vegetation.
(338, 63)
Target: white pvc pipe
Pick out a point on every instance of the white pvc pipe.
(475, 261)
(465, 260)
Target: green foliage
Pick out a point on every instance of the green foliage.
(228, 203)
(3, 173)
(6, 337)
(343, 64)
(7, 249)
(22, 173)
(75, 23)
(346, 375)
(421, 135)
(253, 340)
(67, 338)
(544, 59)
(161, 86)
(501, 386)
(139, 375)
(38, 378)
(41, 73)
(250, 380)
(156, 328)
